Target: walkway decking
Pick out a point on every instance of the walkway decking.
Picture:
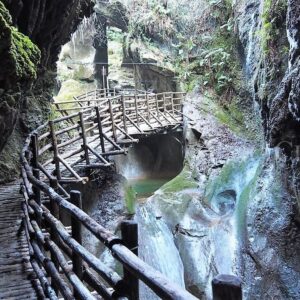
(64, 151)
(16, 273)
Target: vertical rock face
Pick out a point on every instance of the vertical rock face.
(272, 65)
(48, 23)
(285, 110)
(32, 33)
(274, 75)
(262, 33)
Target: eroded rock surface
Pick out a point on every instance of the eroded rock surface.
(33, 33)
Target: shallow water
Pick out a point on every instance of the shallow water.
(145, 187)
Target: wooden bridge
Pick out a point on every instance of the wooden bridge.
(93, 128)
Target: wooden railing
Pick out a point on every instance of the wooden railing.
(56, 154)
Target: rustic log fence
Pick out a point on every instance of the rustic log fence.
(60, 152)
(94, 127)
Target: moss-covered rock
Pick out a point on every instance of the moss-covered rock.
(130, 199)
(20, 57)
(181, 182)
(5, 14)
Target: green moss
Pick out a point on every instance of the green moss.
(17, 51)
(223, 179)
(233, 117)
(243, 204)
(26, 55)
(242, 177)
(5, 14)
(274, 13)
(71, 88)
(181, 182)
(130, 199)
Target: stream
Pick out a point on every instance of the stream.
(188, 231)
(145, 187)
(206, 239)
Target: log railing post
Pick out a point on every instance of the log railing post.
(129, 232)
(83, 135)
(100, 129)
(172, 103)
(164, 101)
(35, 163)
(35, 150)
(112, 120)
(54, 208)
(75, 198)
(156, 103)
(136, 110)
(37, 193)
(36, 190)
(124, 113)
(226, 287)
(55, 150)
(148, 109)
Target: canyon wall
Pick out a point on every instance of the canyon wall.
(33, 33)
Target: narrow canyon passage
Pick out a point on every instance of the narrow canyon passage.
(149, 149)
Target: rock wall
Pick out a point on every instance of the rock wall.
(49, 24)
(270, 40)
(270, 54)
(285, 110)
(33, 33)
(269, 33)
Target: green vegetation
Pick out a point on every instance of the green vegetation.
(232, 114)
(181, 182)
(275, 47)
(233, 117)
(71, 88)
(4, 13)
(209, 59)
(274, 12)
(26, 55)
(16, 50)
(130, 199)
(241, 176)
(150, 19)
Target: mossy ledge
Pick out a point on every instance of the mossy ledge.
(20, 57)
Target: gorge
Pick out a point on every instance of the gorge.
(215, 189)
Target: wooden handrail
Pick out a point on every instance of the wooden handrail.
(112, 116)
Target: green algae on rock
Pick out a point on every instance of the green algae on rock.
(20, 56)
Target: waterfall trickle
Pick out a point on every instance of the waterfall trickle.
(251, 44)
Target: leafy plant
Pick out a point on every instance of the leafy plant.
(210, 57)
(274, 12)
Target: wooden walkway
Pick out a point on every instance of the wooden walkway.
(16, 274)
(94, 127)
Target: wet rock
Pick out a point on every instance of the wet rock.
(284, 111)
(272, 261)
(104, 200)
(47, 25)
(8, 117)
(224, 202)
(115, 12)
